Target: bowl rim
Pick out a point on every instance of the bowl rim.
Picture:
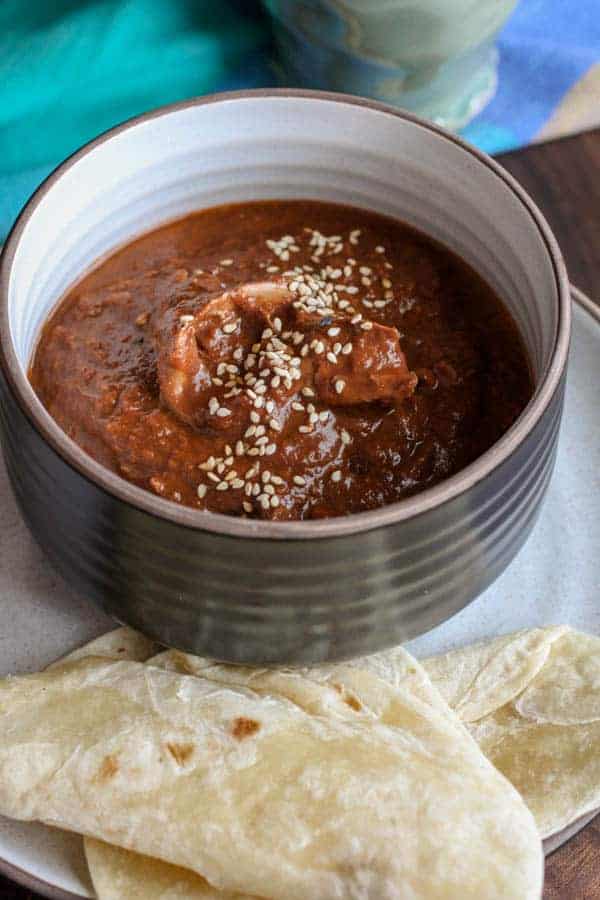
(199, 520)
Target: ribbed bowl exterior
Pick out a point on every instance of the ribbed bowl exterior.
(272, 601)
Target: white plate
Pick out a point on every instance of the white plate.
(555, 579)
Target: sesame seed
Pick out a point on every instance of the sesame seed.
(265, 501)
(379, 249)
(222, 412)
(352, 289)
(255, 490)
(386, 282)
(230, 328)
(254, 417)
(226, 262)
(231, 476)
(308, 392)
(274, 424)
(223, 486)
(237, 484)
(380, 304)
(319, 347)
(366, 326)
(239, 448)
(253, 451)
(305, 429)
(346, 439)
(272, 268)
(183, 319)
(277, 324)
(340, 384)
(270, 449)
(261, 441)
(247, 506)
(356, 319)
(332, 358)
(299, 480)
(337, 475)
(275, 381)
(269, 489)
(274, 501)
(324, 415)
(202, 489)
(333, 332)
(346, 349)
(364, 270)
(213, 477)
(366, 281)
(337, 347)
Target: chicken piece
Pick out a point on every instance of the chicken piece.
(375, 371)
(189, 347)
(193, 349)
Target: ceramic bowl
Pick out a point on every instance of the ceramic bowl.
(268, 592)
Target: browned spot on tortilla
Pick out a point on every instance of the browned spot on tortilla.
(243, 728)
(180, 752)
(108, 769)
(348, 699)
(353, 703)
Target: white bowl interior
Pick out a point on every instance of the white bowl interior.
(258, 147)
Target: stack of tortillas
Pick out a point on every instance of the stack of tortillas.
(192, 779)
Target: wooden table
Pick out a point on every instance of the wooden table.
(563, 177)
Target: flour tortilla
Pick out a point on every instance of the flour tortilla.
(304, 805)
(121, 643)
(478, 679)
(567, 689)
(539, 724)
(119, 874)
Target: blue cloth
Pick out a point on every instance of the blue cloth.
(69, 69)
(545, 48)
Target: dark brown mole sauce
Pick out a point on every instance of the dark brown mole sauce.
(95, 367)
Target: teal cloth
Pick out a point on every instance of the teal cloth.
(70, 69)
